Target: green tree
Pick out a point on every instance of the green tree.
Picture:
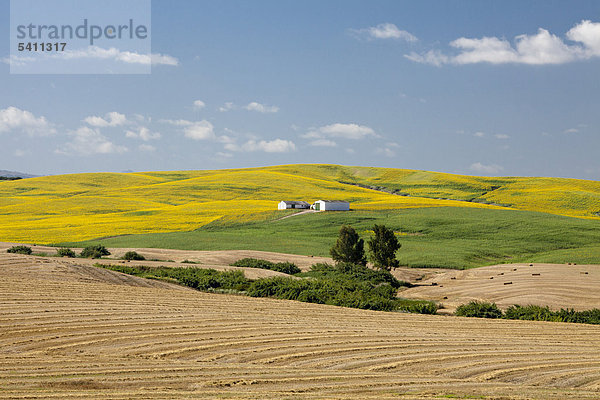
(383, 247)
(96, 251)
(349, 247)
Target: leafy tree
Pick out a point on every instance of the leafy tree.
(96, 251)
(383, 247)
(349, 247)
(65, 252)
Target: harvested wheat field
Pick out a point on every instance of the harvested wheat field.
(553, 285)
(69, 331)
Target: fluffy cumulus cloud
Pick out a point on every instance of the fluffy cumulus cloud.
(501, 136)
(542, 48)
(88, 141)
(227, 107)
(142, 133)
(384, 31)
(111, 119)
(17, 120)
(486, 168)
(338, 130)
(267, 146)
(199, 104)
(196, 130)
(261, 108)
(201, 130)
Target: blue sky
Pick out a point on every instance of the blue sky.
(474, 87)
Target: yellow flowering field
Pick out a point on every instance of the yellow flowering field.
(77, 207)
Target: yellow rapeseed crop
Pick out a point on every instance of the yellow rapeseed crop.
(85, 206)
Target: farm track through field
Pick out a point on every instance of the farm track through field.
(69, 331)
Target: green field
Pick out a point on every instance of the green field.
(444, 237)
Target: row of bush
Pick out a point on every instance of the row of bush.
(96, 251)
(344, 285)
(530, 313)
(285, 267)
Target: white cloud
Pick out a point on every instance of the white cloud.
(261, 108)
(221, 154)
(323, 143)
(197, 130)
(501, 136)
(147, 148)
(111, 119)
(346, 131)
(128, 57)
(432, 57)
(479, 134)
(587, 33)
(384, 31)
(386, 151)
(17, 61)
(15, 119)
(88, 141)
(227, 106)
(199, 104)
(270, 146)
(486, 169)
(201, 130)
(571, 130)
(541, 48)
(142, 133)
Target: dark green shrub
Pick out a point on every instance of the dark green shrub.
(134, 256)
(538, 313)
(479, 310)
(19, 250)
(197, 278)
(285, 267)
(65, 252)
(96, 251)
(417, 306)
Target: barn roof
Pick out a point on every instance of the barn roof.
(333, 201)
(295, 202)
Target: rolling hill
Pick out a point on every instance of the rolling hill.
(475, 220)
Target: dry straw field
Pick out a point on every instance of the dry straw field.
(554, 285)
(74, 331)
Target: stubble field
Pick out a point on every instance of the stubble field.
(69, 331)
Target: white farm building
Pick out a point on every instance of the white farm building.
(285, 205)
(331, 205)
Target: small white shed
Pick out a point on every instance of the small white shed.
(331, 205)
(286, 205)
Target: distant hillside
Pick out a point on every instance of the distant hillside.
(14, 174)
(86, 206)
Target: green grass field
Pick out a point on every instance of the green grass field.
(444, 237)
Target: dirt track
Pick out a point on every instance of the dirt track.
(78, 332)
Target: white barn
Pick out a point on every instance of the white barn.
(286, 205)
(331, 205)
